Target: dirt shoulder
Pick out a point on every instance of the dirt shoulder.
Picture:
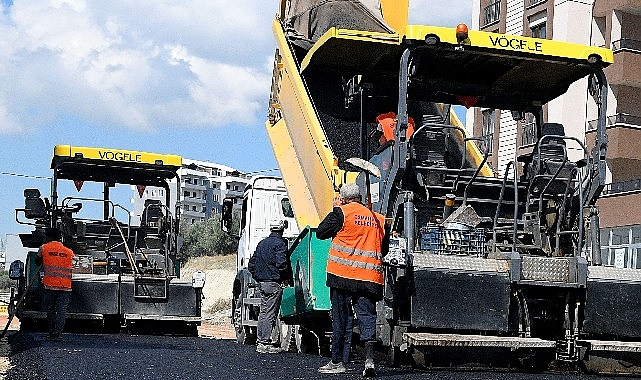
(220, 272)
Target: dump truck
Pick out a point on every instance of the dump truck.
(125, 275)
(482, 266)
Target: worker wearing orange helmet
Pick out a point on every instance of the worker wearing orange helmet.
(387, 125)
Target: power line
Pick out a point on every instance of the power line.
(24, 175)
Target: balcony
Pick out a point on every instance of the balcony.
(193, 214)
(192, 186)
(618, 119)
(624, 145)
(532, 3)
(622, 187)
(193, 200)
(492, 13)
(627, 57)
(604, 8)
(626, 44)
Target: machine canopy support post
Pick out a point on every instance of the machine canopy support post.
(106, 201)
(595, 236)
(408, 220)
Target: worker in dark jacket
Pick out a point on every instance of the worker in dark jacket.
(269, 267)
(354, 275)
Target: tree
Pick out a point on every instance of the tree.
(5, 281)
(205, 238)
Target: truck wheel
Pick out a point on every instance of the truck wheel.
(289, 336)
(307, 342)
(244, 334)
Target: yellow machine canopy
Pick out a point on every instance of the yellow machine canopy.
(485, 69)
(114, 165)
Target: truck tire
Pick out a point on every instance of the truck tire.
(307, 342)
(289, 336)
(244, 334)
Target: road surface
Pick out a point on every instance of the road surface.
(122, 356)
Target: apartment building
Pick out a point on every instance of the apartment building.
(203, 186)
(609, 23)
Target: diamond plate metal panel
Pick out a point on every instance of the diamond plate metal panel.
(545, 269)
(611, 273)
(467, 263)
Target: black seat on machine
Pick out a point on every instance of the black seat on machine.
(551, 157)
(34, 206)
(152, 214)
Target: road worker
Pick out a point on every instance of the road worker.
(270, 268)
(56, 261)
(354, 275)
(386, 125)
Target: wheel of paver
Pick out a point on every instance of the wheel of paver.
(30, 324)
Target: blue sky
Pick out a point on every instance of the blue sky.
(190, 78)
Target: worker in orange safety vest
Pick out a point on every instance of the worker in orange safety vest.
(354, 274)
(56, 260)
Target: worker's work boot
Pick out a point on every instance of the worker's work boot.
(332, 367)
(370, 370)
(267, 349)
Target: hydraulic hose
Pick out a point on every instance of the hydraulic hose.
(20, 301)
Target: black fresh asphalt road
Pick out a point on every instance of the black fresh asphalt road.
(122, 356)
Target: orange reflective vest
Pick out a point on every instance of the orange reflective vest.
(57, 266)
(387, 124)
(355, 252)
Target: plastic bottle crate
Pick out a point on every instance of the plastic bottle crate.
(439, 240)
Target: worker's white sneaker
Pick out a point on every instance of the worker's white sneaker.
(332, 367)
(370, 370)
(267, 349)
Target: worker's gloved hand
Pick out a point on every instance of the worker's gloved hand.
(284, 284)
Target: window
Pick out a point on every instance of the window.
(186, 194)
(193, 208)
(488, 128)
(538, 25)
(186, 207)
(187, 180)
(288, 212)
(621, 246)
(235, 187)
(216, 198)
(204, 209)
(539, 31)
(492, 12)
(528, 132)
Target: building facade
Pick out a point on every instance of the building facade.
(203, 186)
(608, 23)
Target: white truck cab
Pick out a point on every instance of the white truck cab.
(265, 199)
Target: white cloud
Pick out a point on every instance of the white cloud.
(114, 63)
(147, 64)
(7, 121)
